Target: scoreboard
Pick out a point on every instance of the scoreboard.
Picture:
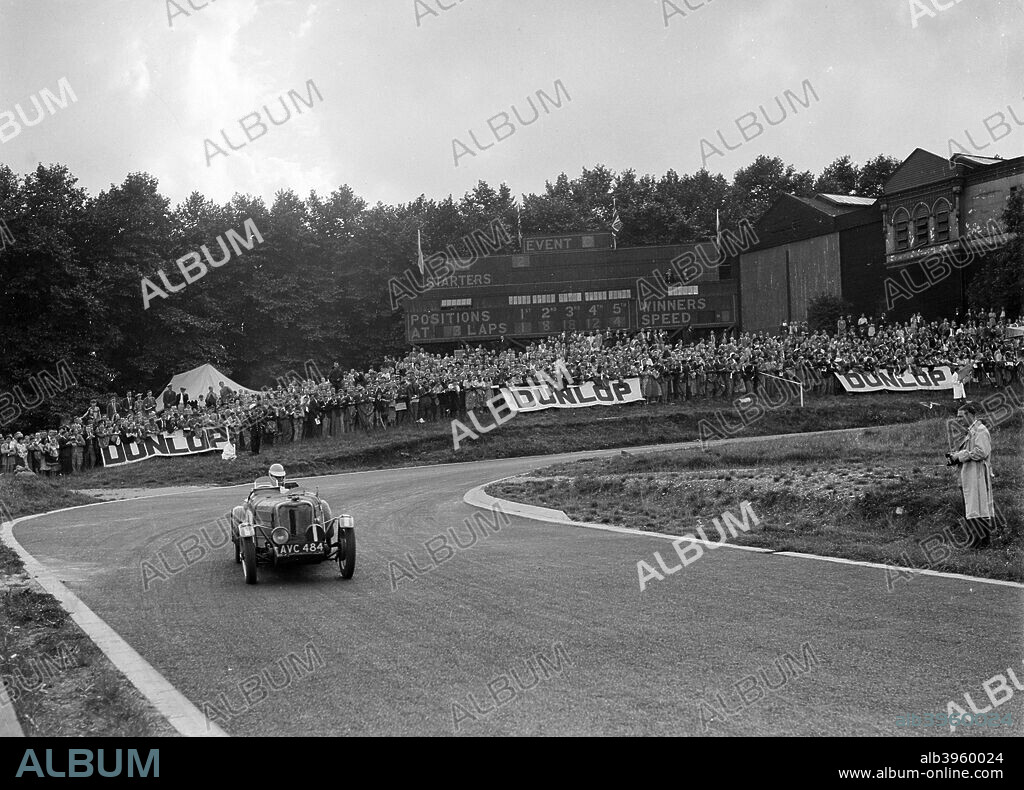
(425, 324)
(491, 323)
(556, 318)
(567, 241)
(676, 312)
(572, 283)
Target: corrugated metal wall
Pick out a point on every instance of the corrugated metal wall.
(863, 254)
(813, 270)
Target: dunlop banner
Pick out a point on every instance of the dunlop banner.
(178, 443)
(573, 396)
(938, 378)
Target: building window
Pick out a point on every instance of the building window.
(543, 298)
(902, 224)
(623, 294)
(920, 226)
(519, 300)
(942, 221)
(596, 296)
(456, 303)
(576, 297)
(683, 290)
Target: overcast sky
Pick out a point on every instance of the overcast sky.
(644, 81)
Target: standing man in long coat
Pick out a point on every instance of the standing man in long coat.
(973, 457)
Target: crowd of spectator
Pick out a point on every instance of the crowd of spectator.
(740, 364)
(425, 387)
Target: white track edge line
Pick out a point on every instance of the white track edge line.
(478, 498)
(174, 706)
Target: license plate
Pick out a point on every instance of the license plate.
(307, 548)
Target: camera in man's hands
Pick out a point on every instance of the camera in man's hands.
(951, 460)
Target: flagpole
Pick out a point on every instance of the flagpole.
(519, 225)
(419, 252)
(615, 234)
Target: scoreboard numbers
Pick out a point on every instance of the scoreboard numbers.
(430, 323)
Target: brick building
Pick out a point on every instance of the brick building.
(942, 216)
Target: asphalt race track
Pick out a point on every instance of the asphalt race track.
(358, 657)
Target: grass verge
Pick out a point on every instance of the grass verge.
(554, 431)
(59, 682)
(882, 495)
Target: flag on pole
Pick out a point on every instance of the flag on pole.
(419, 253)
(718, 232)
(616, 225)
(519, 225)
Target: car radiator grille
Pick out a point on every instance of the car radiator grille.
(298, 518)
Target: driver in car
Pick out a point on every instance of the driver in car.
(276, 473)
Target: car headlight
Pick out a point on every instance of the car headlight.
(280, 535)
(346, 521)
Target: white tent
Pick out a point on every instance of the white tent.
(197, 383)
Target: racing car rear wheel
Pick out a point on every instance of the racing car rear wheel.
(248, 551)
(347, 552)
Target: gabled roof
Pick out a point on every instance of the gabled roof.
(920, 168)
(846, 200)
(974, 159)
(834, 205)
(821, 206)
(792, 218)
(923, 168)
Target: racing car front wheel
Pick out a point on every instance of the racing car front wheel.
(248, 551)
(347, 552)
(238, 550)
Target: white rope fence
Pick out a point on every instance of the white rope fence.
(788, 381)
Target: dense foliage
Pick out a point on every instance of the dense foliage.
(824, 310)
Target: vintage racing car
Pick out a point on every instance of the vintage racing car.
(278, 525)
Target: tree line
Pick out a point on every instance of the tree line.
(314, 286)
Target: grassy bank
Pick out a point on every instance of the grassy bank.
(25, 495)
(60, 683)
(878, 495)
(58, 680)
(554, 431)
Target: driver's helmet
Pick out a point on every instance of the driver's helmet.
(277, 472)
